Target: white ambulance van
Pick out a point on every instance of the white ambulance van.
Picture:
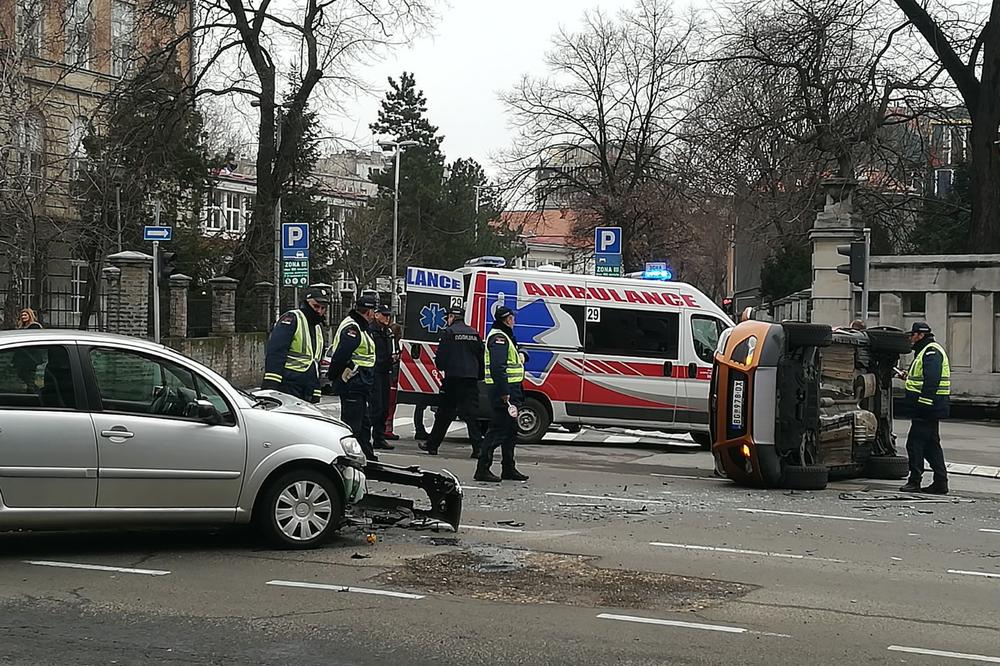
(601, 351)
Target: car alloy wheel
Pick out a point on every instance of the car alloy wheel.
(303, 510)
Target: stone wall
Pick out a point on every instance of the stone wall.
(239, 358)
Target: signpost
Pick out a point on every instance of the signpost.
(608, 251)
(295, 255)
(156, 233)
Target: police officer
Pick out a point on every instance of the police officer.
(928, 391)
(295, 347)
(504, 375)
(460, 362)
(384, 349)
(352, 370)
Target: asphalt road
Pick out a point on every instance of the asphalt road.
(613, 552)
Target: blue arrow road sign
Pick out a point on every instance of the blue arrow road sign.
(608, 240)
(157, 233)
(295, 240)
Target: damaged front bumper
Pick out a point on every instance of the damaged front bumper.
(443, 489)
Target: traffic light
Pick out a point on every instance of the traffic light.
(167, 264)
(858, 256)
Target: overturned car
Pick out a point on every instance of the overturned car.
(793, 404)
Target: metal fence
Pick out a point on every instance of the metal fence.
(61, 308)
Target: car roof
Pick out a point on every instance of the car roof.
(71, 335)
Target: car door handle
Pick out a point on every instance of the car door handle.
(117, 431)
(668, 368)
(692, 370)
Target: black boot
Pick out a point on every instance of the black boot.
(483, 473)
(512, 474)
(424, 446)
(912, 486)
(936, 488)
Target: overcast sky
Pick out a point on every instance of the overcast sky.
(478, 49)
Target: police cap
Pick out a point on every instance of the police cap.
(383, 310)
(367, 302)
(502, 313)
(920, 327)
(456, 310)
(318, 294)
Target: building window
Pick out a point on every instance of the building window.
(234, 212)
(914, 303)
(214, 221)
(75, 149)
(943, 179)
(960, 303)
(79, 32)
(31, 146)
(29, 27)
(122, 36)
(78, 285)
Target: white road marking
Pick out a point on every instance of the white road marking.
(943, 653)
(981, 574)
(489, 490)
(740, 551)
(673, 623)
(621, 439)
(685, 476)
(561, 436)
(990, 531)
(490, 529)
(813, 515)
(97, 567)
(607, 499)
(344, 588)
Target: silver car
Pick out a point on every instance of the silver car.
(101, 430)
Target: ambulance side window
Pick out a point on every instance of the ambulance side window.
(622, 332)
(705, 332)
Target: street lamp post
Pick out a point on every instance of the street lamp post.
(397, 147)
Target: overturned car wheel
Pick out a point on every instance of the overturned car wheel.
(810, 477)
(888, 341)
(887, 467)
(801, 334)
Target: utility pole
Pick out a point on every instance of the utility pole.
(156, 276)
(277, 221)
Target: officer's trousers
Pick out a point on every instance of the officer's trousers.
(354, 411)
(379, 406)
(503, 430)
(924, 443)
(459, 396)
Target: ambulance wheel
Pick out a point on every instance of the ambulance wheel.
(889, 341)
(801, 334)
(887, 467)
(702, 439)
(810, 477)
(532, 422)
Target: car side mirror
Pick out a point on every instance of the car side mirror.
(204, 411)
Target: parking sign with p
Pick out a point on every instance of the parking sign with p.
(608, 240)
(295, 240)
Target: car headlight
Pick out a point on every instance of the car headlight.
(352, 447)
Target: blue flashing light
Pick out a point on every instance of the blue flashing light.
(489, 262)
(664, 275)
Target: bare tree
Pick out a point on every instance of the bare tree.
(599, 129)
(281, 57)
(969, 49)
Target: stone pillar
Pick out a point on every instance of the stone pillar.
(832, 292)
(179, 285)
(223, 305)
(132, 316)
(263, 304)
(982, 332)
(890, 309)
(112, 300)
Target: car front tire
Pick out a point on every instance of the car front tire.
(300, 509)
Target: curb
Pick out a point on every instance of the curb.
(983, 471)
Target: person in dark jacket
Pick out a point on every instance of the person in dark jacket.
(295, 348)
(461, 364)
(382, 335)
(928, 396)
(352, 370)
(504, 374)
(390, 415)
